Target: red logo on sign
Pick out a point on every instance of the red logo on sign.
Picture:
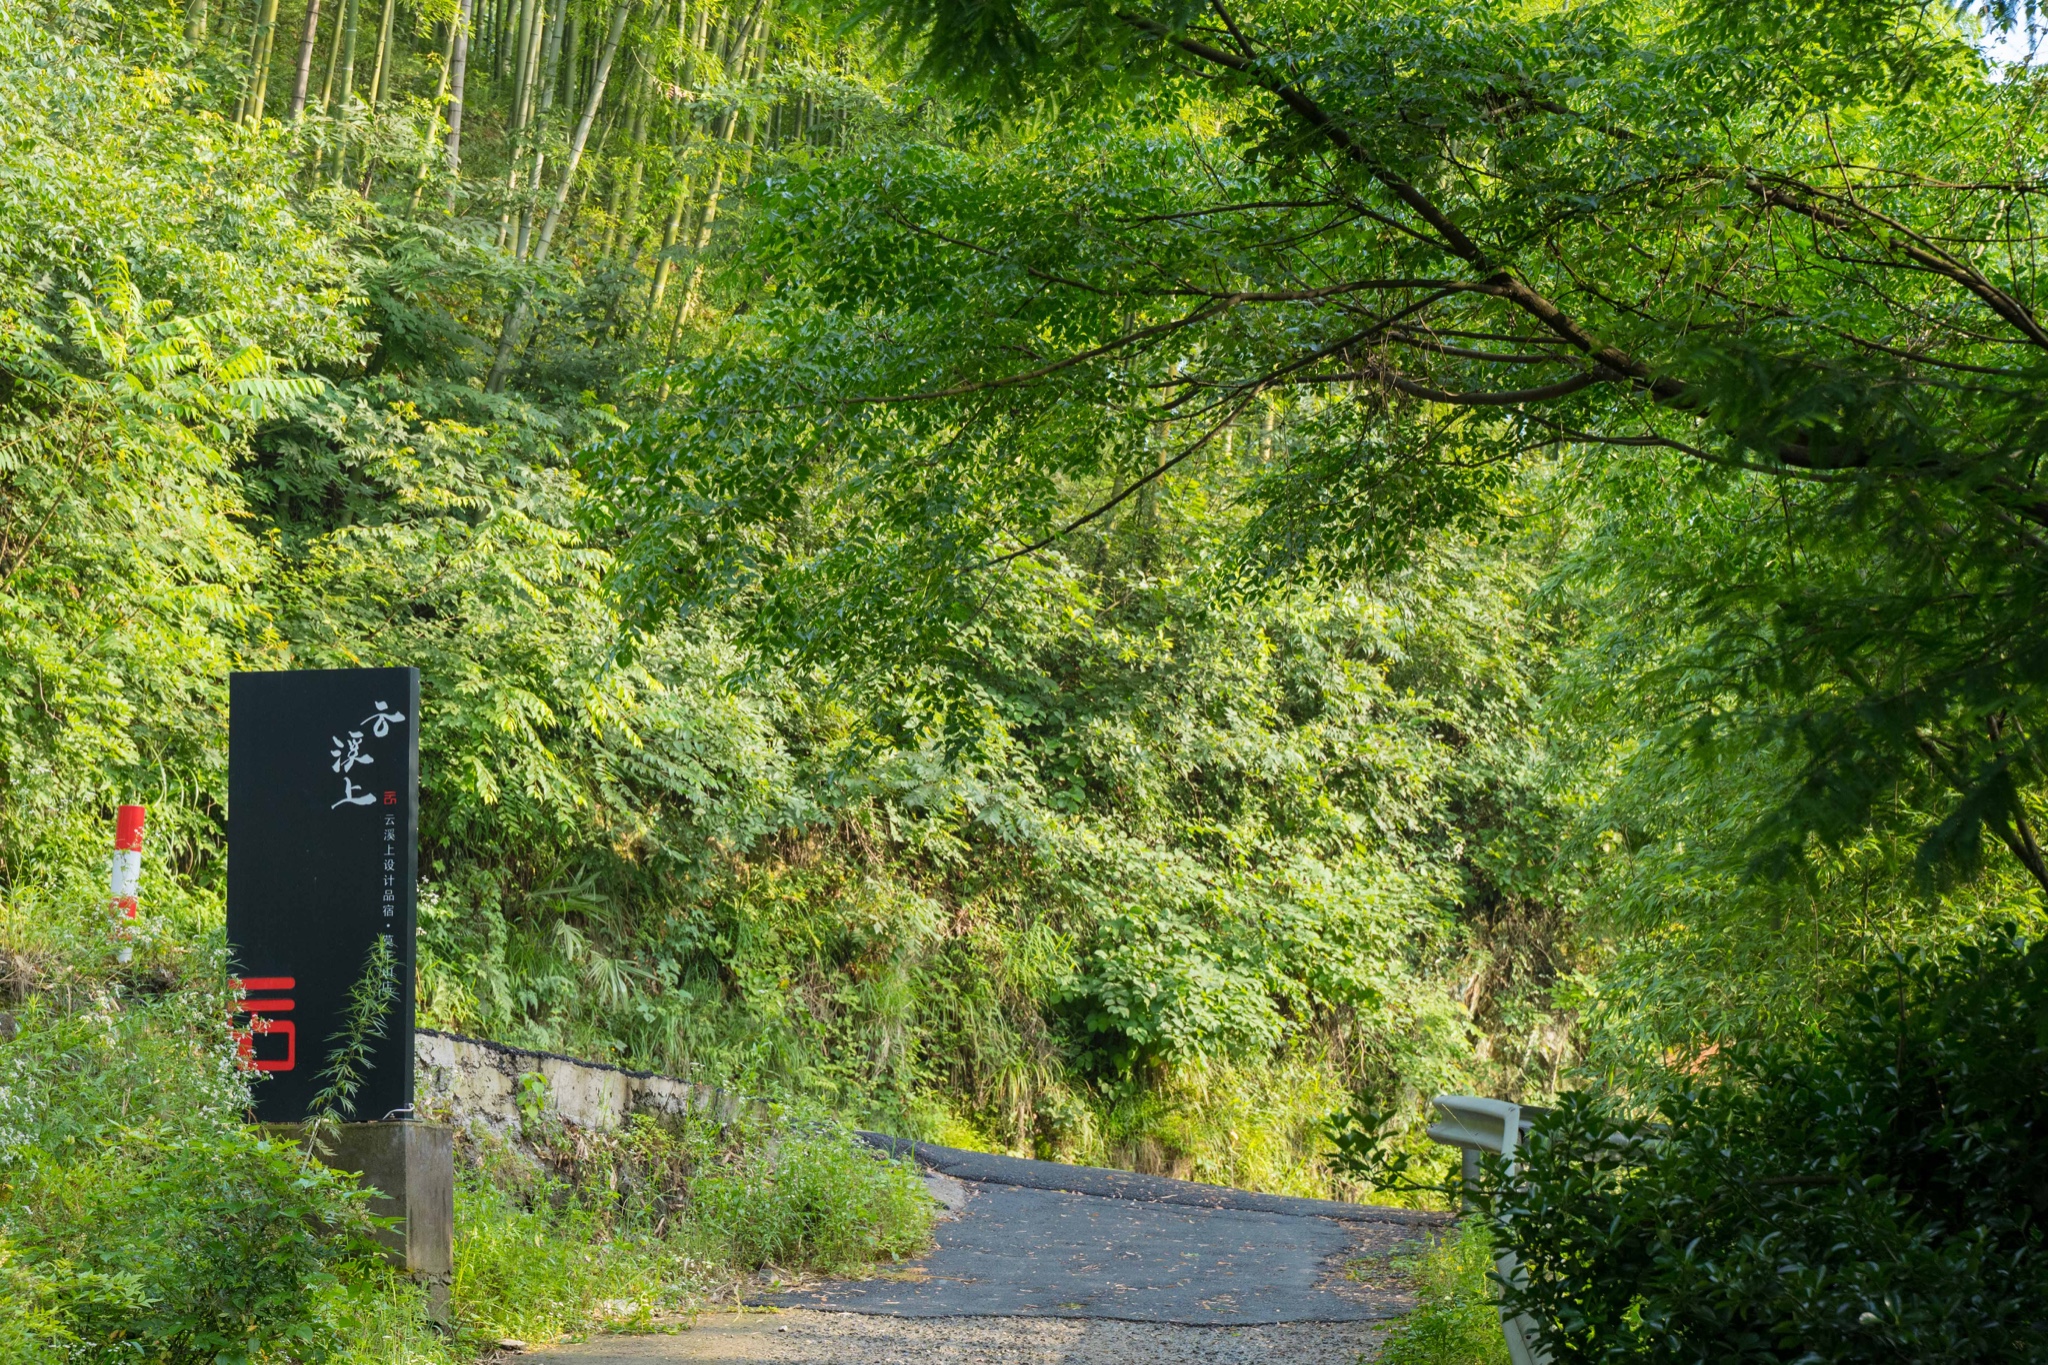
(390, 798)
(262, 1020)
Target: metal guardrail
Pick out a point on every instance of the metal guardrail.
(1478, 1126)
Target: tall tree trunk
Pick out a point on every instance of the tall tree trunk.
(528, 32)
(531, 82)
(670, 232)
(508, 339)
(625, 198)
(261, 97)
(525, 237)
(345, 88)
(520, 45)
(333, 64)
(458, 73)
(250, 109)
(195, 21)
(501, 39)
(419, 181)
(536, 133)
(704, 224)
(735, 52)
(380, 71)
(734, 56)
(611, 215)
(309, 36)
(572, 58)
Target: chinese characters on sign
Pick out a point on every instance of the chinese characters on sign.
(348, 753)
(323, 781)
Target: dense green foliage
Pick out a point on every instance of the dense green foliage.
(136, 1207)
(1107, 582)
(1873, 1191)
(1152, 868)
(1432, 240)
(1360, 281)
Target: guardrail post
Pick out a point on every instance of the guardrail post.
(1478, 1126)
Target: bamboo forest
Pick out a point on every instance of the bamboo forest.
(1138, 586)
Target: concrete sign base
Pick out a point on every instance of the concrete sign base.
(411, 1166)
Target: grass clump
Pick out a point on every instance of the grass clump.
(531, 1271)
(1457, 1315)
(813, 1198)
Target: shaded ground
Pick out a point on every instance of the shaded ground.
(1037, 1263)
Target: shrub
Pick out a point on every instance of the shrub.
(1875, 1192)
(202, 1246)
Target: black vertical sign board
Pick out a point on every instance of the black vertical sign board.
(323, 802)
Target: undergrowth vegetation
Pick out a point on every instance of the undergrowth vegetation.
(1456, 1320)
(139, 1213)
(1868, 1190)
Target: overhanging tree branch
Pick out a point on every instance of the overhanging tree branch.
(1451, 237)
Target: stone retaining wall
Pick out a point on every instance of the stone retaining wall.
(469, 1080)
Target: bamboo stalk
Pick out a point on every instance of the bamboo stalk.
(263, 63)
(524, 38)
(333, 63)
(248, 109)
(551, 58)
(516, 160)
(501, 23)
(620, 215)
(309, 35)
(346, 89)
(458, 72)
(384, 54)
(670, 232)
(419, 181)
(710, 216)
(532, 122)
(572, 58)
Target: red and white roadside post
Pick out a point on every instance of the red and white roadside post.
(124, 876)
